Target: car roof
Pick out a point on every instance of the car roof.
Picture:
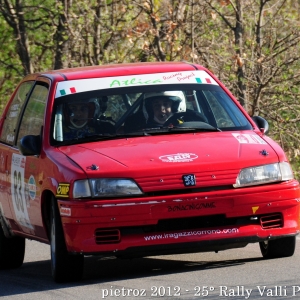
(116, 70)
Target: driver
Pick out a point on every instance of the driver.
(83, 118)
(161, 106)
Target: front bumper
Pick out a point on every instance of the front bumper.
(195, 222)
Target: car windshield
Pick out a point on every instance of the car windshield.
(144, 110)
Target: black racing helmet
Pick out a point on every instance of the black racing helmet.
(92, 106)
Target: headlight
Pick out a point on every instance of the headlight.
(105, 187)
(264, 174)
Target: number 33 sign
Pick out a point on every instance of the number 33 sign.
(17, 189)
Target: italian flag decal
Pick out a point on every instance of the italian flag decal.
(200, 81)
(72, 90)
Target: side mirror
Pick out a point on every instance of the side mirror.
(30, 145)
(261, 123)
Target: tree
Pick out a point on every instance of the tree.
(251, 45)
(14, 16)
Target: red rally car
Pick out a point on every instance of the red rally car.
(138, 159)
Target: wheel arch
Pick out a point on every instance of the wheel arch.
(46, 210)
(5, 226)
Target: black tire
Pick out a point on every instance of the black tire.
(12, 251)
(65, 267)
(283, 247)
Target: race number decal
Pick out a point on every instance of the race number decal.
(18, 191)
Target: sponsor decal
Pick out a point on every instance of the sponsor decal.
(18, 185)
(134, 81)
(248, 138)
(84, 85)
(189, 180)
(10, 138)
(23, 161)
(14, 111)
(192, 206)
(254, 209)
(13, 114)
(63, 190)
(186, 77)
(65, 211)
(32, 187)
(167, 77)
(193, 233)
(178, 157)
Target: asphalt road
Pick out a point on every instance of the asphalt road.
(232, 274)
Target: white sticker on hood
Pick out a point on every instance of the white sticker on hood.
(248, 138)
(178, 157)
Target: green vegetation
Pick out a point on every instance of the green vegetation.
(251, 45)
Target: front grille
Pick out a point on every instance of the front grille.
(271, 221)
(206, 180)
(105, 236)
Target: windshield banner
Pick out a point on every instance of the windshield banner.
(84, 85)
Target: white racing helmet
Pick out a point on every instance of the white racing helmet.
(177, 97)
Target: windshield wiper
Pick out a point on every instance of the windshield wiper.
(181, 128)
(101, 137)
(87, 138)
(141, 132)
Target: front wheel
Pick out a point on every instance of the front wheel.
(65, 267)
(12, 251)
(283, 247)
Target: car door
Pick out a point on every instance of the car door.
(24, 172)
(10, 119)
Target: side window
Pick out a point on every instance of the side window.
(12, 116)
(33, 117)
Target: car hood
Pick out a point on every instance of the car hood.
(220, 154)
